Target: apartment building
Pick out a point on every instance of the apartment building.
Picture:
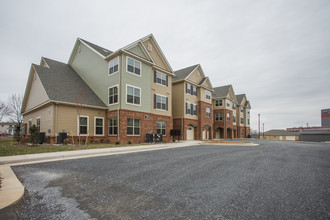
(192, 103)
(103, 95)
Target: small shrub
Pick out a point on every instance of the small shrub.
(129, 142)
(117, 142)
(101, 140)
(34, 134)
(173, 140)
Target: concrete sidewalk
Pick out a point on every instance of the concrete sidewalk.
(12, 190)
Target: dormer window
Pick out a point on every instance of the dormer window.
(114, 65)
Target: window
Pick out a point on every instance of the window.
(208, 95)
(188, 90)
(113, 95)
(241, 109)
(248, 121)
(133, 66)
(98, 126)
(133, 95)
(234, 106)
(133, 126)
(228, 103)
(234, 118)
(160, 78)
(113, 65)
(242, 121)
(38, 124)
(218, 102)
(248, 111)
(188, 108)
(112, 126)
(194, 108)
(228, 117)
(83, 125)
(160, 102)
(218, 116)
(161, 127)
(208, 112)
(194, 90)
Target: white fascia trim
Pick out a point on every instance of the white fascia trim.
(162, 70)
(36, 107)
(127, 53)
(91, 48)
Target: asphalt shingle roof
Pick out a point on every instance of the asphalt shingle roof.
(63, 84)
(105, 52)
(183, 73)
(240, 98)
(221, 91)
(280, 132)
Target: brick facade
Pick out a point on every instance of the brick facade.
(148, 123)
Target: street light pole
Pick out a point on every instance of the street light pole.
(259, 126)
(263, 130)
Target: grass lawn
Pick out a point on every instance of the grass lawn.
(9, 148)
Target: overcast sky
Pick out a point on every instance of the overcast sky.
(276, 52)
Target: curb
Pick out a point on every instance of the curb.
(12, 189)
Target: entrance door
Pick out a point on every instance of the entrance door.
(207, 134)
(204, 133)
(217, 133)
(190, 133)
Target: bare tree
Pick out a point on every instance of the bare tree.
(14, 106)
(3, 110)
(79, 99)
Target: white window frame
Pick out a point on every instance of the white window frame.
(133, 127)
(208, 94)
(161, 102)
(78, 125)
(194, 110)
(242, 120)
(228, 103)
(188, 86)
(220, 116)
(208, 112)
(234, 118)
(134, 87)
(38, 126)
(228, 116)
(113, 126)
(140, 75)
(95, 126)
(161, 78)
(242, 110)
(188, 106)
(111, 62)
(219, 103)
(163, 127)
(113, 95)
(194, 89)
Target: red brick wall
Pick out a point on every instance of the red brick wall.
(203, 121)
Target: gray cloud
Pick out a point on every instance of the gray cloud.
(277, 52)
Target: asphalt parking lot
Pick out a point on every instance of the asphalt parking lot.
(275, 180)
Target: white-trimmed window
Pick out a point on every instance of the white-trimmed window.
(191, 109)
(194, 89)
(188, 88)
(133, 126)
(188, 108)
(38, 123)
(83, 124)
(114, 65)
(160, 102)
(242, 109)
(161, 127)
(113, 95)
(112, 126)
(133, 66)
(228, 116)
(194, 109)
(219, 116)
(208, 112)
(234, 118)
(248, 121)
(133, 95)
(228, 103)
(218, 102)
(98, 126)
(242, 120)
(160, 78)
(234, 106)
(208, 95)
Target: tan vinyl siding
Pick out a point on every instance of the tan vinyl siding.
(178, 91)
(68, 118)
(37, 94)
(46, 119)
(196, 76)
(164, 91)
(202, 95)
(155, 55)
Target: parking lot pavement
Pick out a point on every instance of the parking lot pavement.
(276, 180)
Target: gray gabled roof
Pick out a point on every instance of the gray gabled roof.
(63, 84)
(240, 98)
(105, 52)
(183, 73)
(221, 91)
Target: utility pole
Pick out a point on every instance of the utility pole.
(263, 130)
(259, 126)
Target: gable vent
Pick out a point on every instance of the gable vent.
(150, 47)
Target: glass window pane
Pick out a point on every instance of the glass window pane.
(99, 122)
(136, 122)
(137, 64)
(137, 71)
(129, 98)
(111, 91)
(111, 70)
(99, 130)
(136, 131)
(130, 122)
(115, 99)
(130, 61)
(116, 61)
(137, 100)
(129, 130)
(129, 90)
(115, 68)
(115, 130)
(137, 92)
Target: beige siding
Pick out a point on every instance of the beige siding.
(37, 94)
(165, 91)
(68, 118)
(196, 76)
(177, 102)
(155, 55)
(202, 95)
(191, 99)
(46, 119)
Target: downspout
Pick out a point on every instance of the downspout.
(120, 94)
(56, 122)
(225, 119)
(183, 109)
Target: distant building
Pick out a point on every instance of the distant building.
(325, 117)
(280, 135)
(7, 128)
